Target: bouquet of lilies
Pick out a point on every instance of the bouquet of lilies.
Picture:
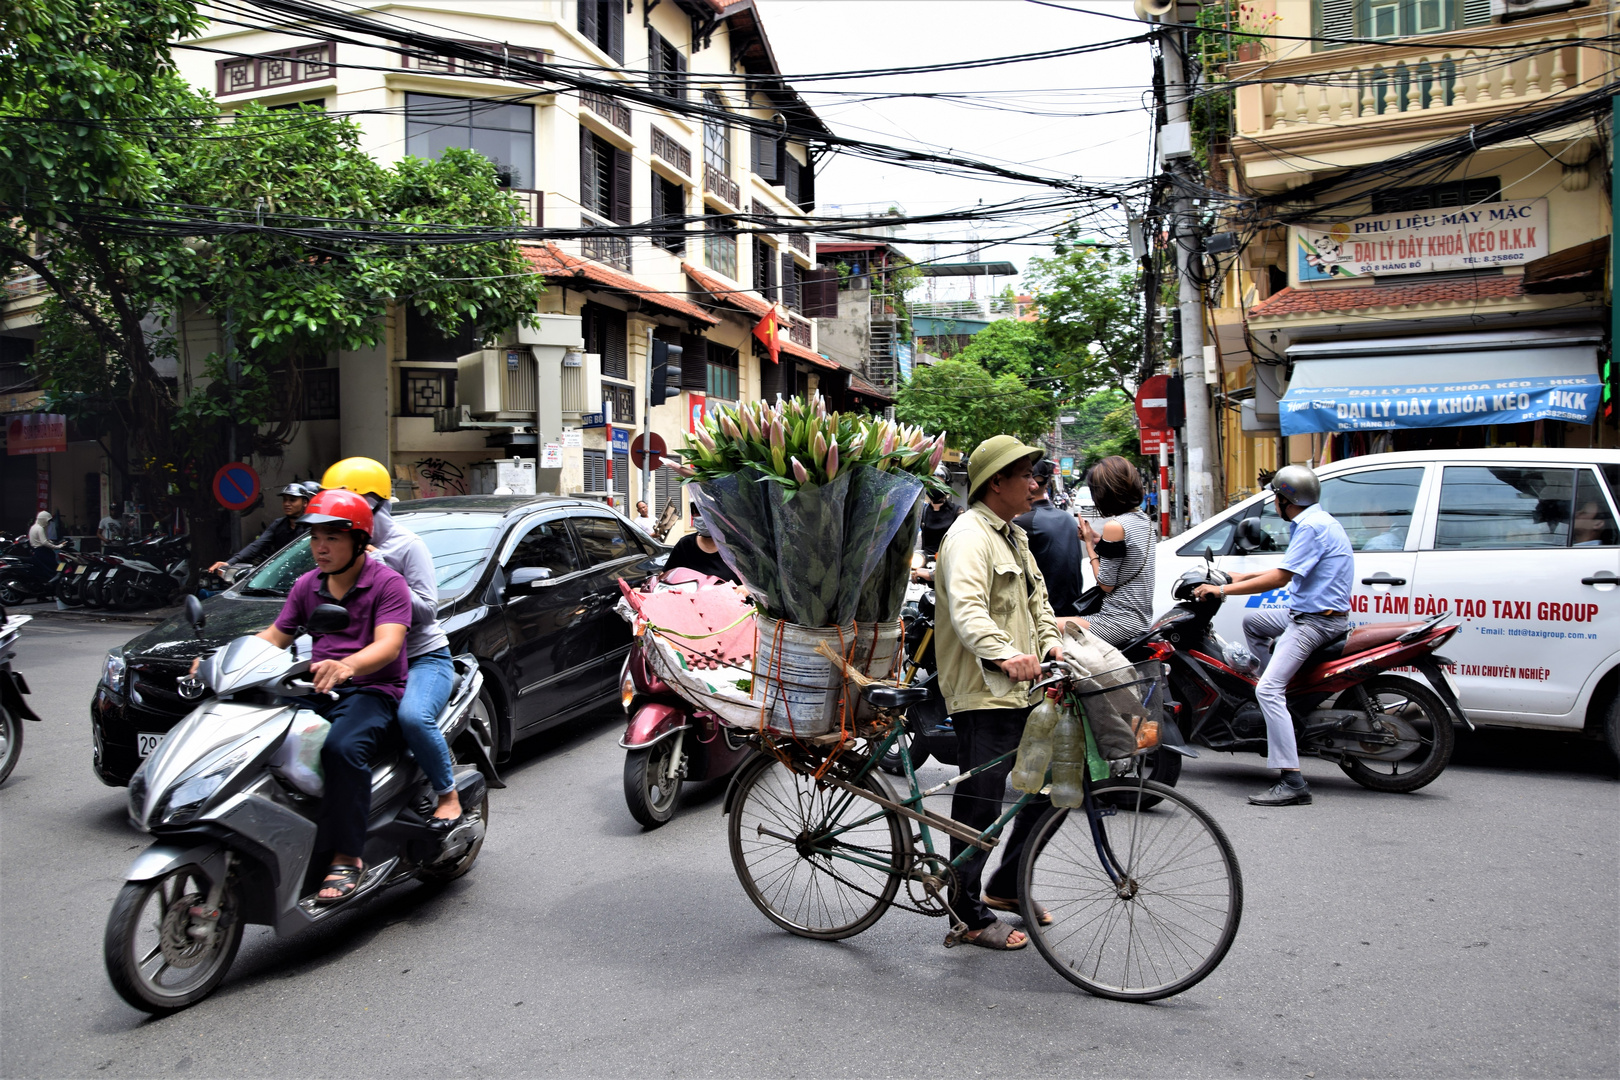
(816, 511)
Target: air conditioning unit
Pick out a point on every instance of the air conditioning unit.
(498, 384)
(581, 385)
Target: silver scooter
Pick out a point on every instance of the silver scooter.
(236, 834)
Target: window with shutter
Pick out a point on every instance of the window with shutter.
(764, 269)
(1476, 12)
(790, 283)
(621, 480)
(667, 487)
(791, 178)
(597, 175)
(764, 157)
(722, 373)
(595, 470)
(720, 243)
(694, 362)
(621, 186)
(601, 22)
(667, 66)
(606, 333)
(669, 207)
(807, 186)
(819, 292)
(589, 24)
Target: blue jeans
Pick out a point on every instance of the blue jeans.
(360, 737)
(427, 688)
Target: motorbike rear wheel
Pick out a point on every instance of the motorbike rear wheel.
(67, 591)
(11, 740)
(153, 959)
(9, 596)
(650, 795)
(1415, 714)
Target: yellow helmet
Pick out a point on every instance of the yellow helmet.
(360, 475)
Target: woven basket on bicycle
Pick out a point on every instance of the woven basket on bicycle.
(1126, 708)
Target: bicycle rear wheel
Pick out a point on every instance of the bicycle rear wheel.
(818, 861)
(1153, 919)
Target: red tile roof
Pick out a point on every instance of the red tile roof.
(793, 348)
(1308, 301)
(726, 294)
(558, 265)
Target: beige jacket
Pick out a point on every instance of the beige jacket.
(986, 611)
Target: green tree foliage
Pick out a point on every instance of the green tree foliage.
(145, 210)
(1091, 308)
(970, 404)
(1105, 425)
(1024, 349)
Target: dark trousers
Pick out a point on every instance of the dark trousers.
(981, 735)
(362, 732)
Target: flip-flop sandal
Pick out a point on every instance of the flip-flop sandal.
(342, 877)
(995, 936)
(1042, 916)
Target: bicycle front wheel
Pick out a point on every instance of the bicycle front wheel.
(1145, 896)
(818, 861)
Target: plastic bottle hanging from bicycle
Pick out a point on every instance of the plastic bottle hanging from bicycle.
(823, 846)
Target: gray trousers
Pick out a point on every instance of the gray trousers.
(1282, 642)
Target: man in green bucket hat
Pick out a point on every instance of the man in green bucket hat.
(994, 624)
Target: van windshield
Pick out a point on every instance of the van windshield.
(457, 541)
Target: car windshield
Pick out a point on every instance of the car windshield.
(457, 542)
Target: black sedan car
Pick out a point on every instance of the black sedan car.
(526, 583)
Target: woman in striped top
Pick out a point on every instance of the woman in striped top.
(1121, 556)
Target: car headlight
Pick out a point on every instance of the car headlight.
(112, 671)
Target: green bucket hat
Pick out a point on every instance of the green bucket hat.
(993, 455)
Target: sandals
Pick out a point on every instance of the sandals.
(342, 877)
(1042, 916)
(995, 936)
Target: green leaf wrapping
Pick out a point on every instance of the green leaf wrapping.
(884, 592)
(810, 548)
(879, 504)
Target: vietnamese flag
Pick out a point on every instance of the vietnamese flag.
(766, 330)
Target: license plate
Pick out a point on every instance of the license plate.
(59, 567)
(81, 569)
(148, 741)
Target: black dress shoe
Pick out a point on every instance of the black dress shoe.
(444, 825)
(1283, 794)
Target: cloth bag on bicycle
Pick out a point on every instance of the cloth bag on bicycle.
(1112, 710)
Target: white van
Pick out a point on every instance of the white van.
(1520, 547)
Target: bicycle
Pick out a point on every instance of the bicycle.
(1142, 885)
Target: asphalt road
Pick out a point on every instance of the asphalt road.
(1470, 929)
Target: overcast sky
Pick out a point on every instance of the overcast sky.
(1074, 140)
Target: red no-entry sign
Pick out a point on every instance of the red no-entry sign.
(651, 447)
(1152, 403)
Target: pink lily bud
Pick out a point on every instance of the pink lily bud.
(939, 456)
(704, 439)
(729, 426)
(753, 428)
(889, 444)
(820, 446)
(683, 470)
(799, 472)
(778, 435)
(832, 461)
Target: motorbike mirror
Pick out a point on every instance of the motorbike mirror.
(529, 575)
(1209, 553)
(1250, 536)
(194, 613)
(328, 619)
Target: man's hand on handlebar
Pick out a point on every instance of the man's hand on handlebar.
(1020, 668)
(328, 674)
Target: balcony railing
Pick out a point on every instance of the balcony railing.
(614, 112)
(720, 185)
(1421, 83)
(612, 250)
(798, 332)
(668, 148)
(24, 286)
(531, 207)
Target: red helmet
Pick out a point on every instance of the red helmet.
(342, 508)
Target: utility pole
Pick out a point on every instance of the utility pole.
(1197, 446)
(646, 429)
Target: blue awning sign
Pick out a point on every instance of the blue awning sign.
(1306, 410)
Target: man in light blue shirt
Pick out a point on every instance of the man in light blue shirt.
(1318, 569)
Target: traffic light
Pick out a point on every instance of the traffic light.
(666, 373)
(1175, 403)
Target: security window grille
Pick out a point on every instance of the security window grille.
(606, 333)
(1434, 196)
(669, 207)
(320, 396)
(764, 269)
(501, 131)
(602, 24)
(716, 136)
(667, 67)
(423, 390)
(623, 401)
(720, 244)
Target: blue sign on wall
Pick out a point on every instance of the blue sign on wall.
(621, 441)
(1383, 408)
(902, 354)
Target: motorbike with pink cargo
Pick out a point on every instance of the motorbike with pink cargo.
(668, 740)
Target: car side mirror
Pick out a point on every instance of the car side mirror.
(328, 619)
(1250, 536)
(194, 613)
(529, 575)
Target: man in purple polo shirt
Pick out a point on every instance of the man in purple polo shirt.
(364, 664)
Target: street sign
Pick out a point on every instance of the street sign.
(1066, 465)
(652, 448)
(621, 440)
(236, 485)
(1153, 438)
(1152, 405)
(593, 419)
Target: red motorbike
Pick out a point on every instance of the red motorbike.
(669, 741)
(1351, 704)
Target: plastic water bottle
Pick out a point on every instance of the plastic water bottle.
(1035, 748)
(1068, 760)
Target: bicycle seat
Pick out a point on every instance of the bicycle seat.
(890, 698)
